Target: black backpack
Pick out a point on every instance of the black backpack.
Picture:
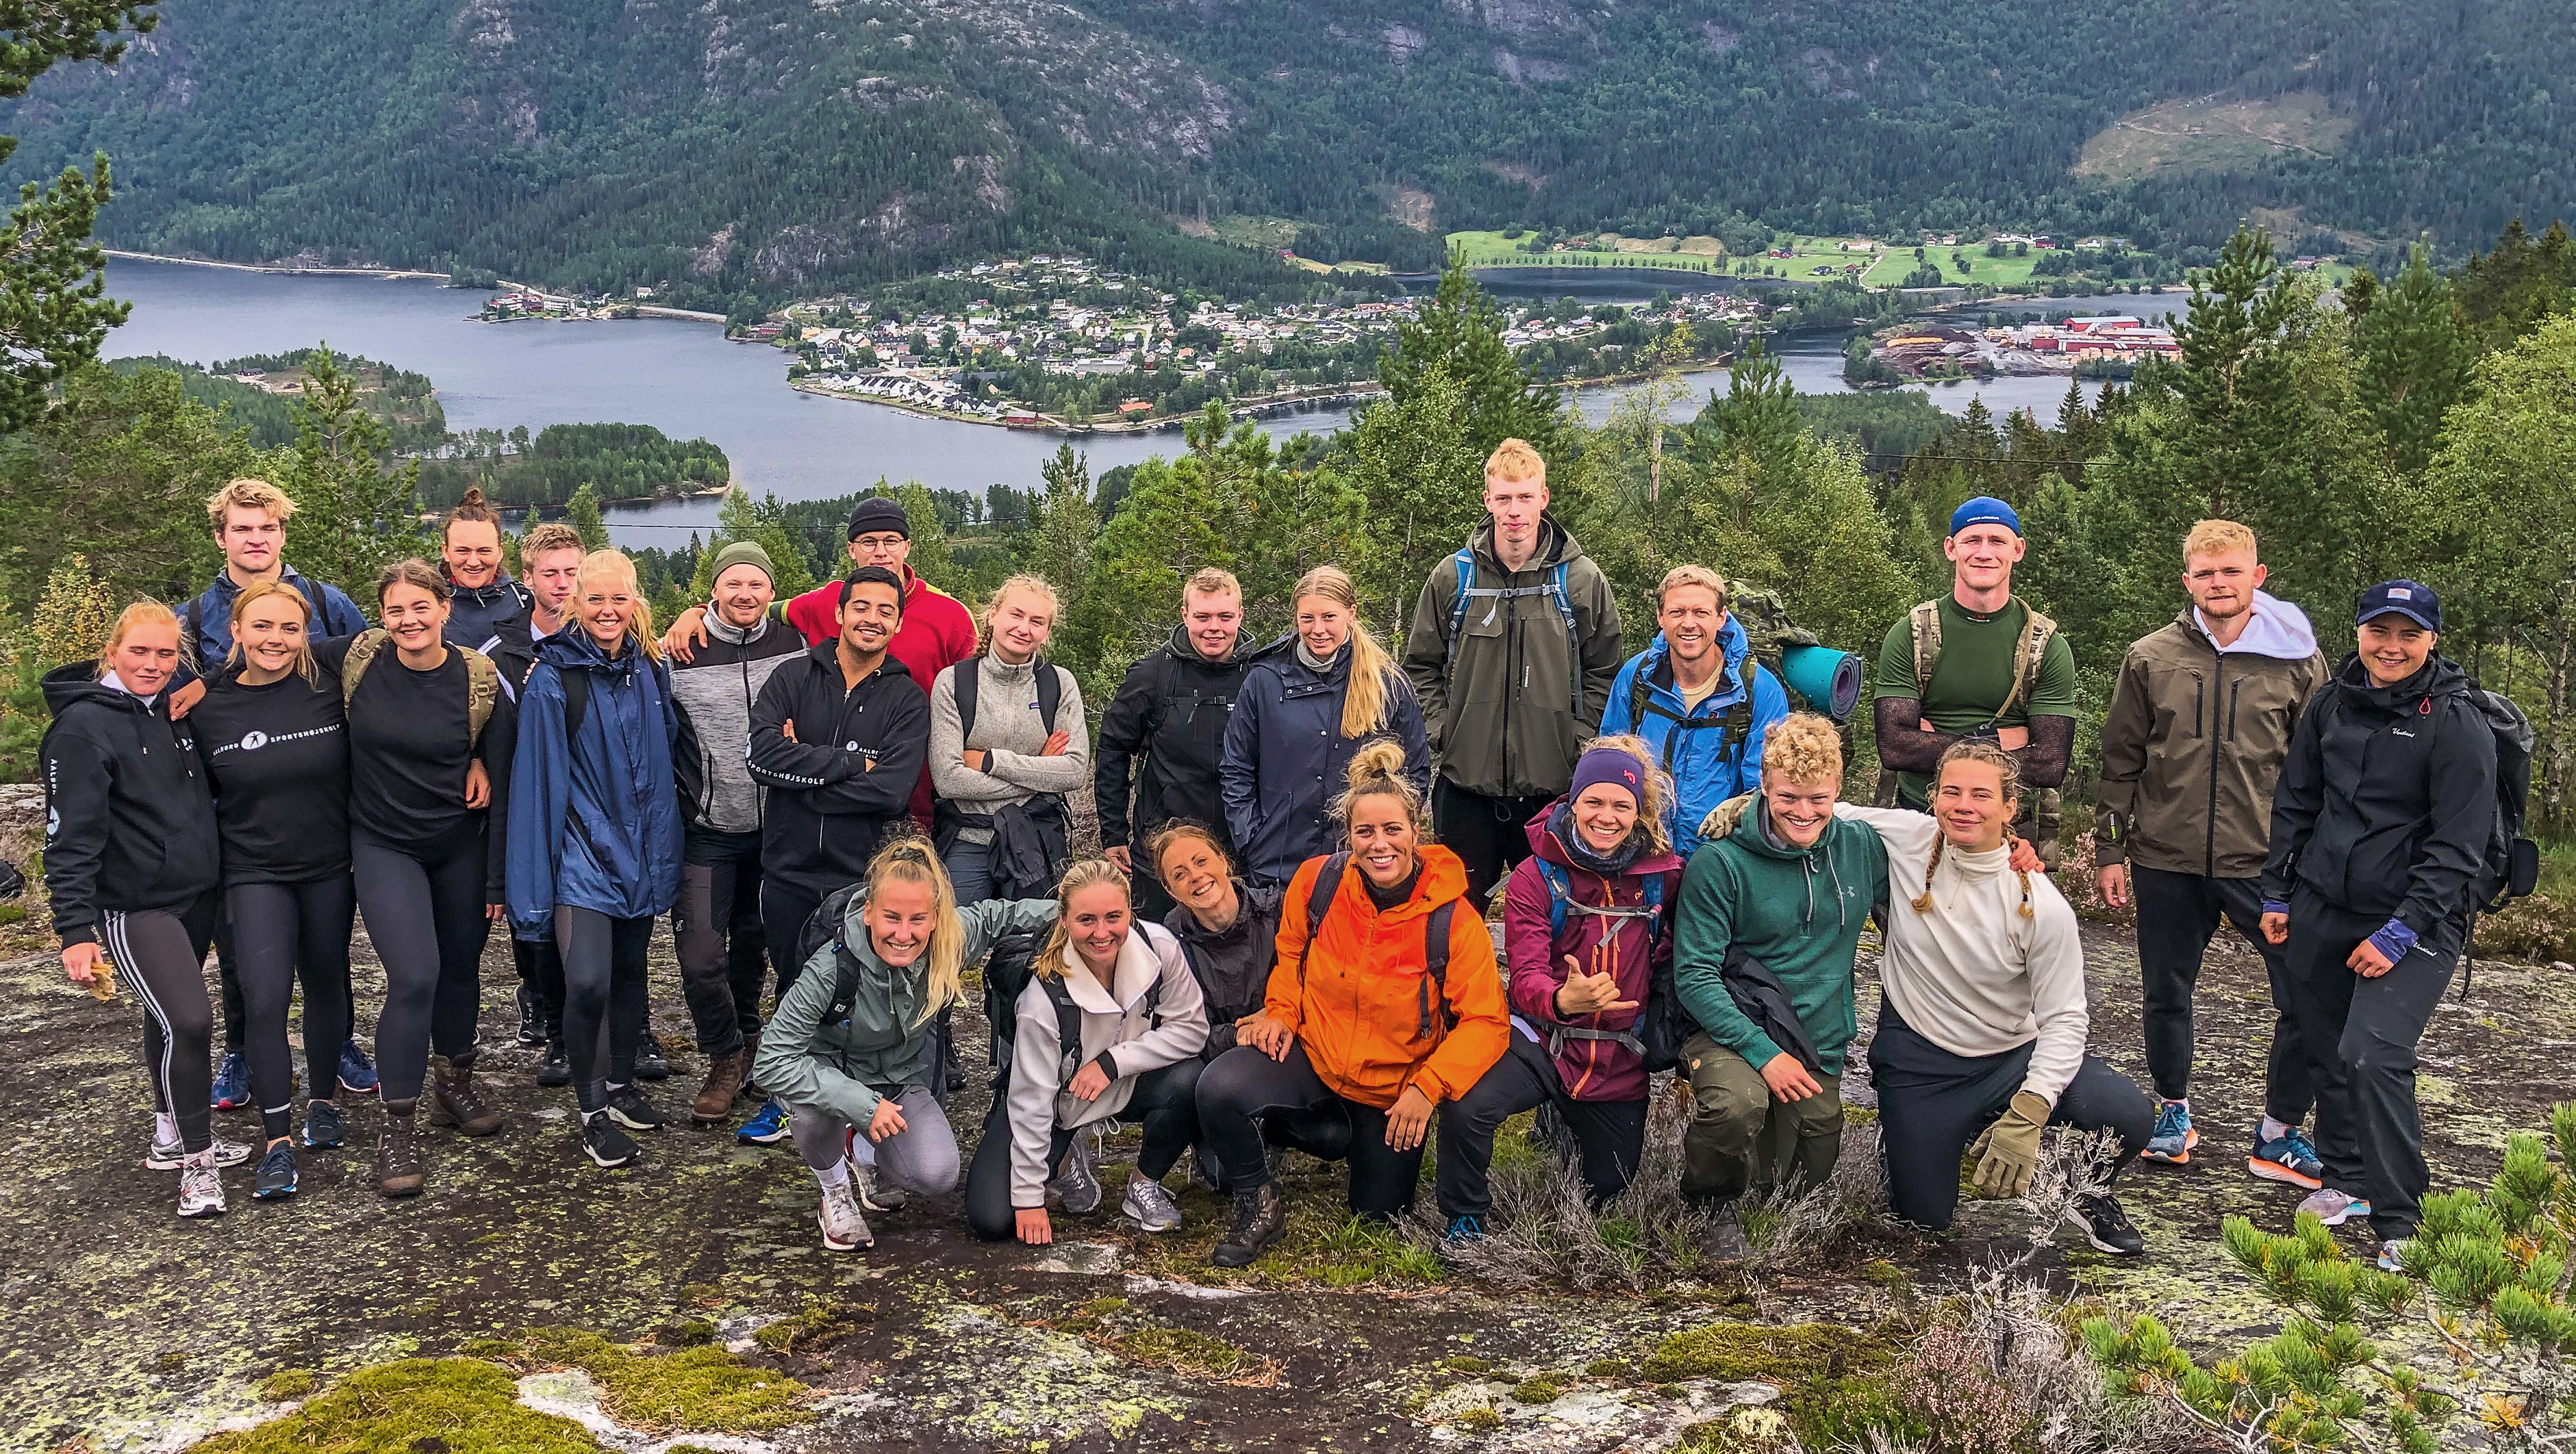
(2511, 867)
(1006, 975)
(1435, 941)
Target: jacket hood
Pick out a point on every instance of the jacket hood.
(1544, 842)
(1252, 904)
(2439, 677)
(1181, 649)
(571, 650)
(1748, 835)
(1556, 545)
(2279, 630)
(77, 681)
(500, 590)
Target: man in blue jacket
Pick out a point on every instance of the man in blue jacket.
(1698, 696)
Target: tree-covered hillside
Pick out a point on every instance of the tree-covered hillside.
(766, 147)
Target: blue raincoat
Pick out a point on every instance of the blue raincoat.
(594, 820)
(1704, 772)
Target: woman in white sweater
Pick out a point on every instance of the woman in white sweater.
(1025, 746)
(1982, 1031)
(1137, 1022)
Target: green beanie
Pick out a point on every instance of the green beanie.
(743, 552)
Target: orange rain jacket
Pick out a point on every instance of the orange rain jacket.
(1360, 1008)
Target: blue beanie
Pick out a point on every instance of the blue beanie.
(1985, 510)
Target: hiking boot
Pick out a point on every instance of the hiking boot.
(322, 1127)
(2174, 1136)
(650, 1062)
(2334, 1208)
(1079, 1182)
(1725, 1240)
(1150, 1206)
(2289, 1158)
(844, 1229)
(172, 1156)
(232, 1086)
(606, 1144)
(276, 1173)
(724, 1081)
(2106, 1226)
(1464, 1232)
(201, 1192)
(455, 1101)
(627, 1106)
(1260, 1218)
(556, 1069)
(767, 1126)
(357, 1073)
(398, 1168)
(532, 1024)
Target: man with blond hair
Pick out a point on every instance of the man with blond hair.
(2200, 723)
(1699, 697)
(1164, 733)
(1514, 644)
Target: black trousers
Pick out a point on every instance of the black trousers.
(717, 929)
(2361, 1036)
(603, 961)
(1243, 1086)
(160, 957)
(1489, 834)
(282, 934)
(1609, 1135)
(1932, 1103)
(1166, 1104)
(424, 905)
(2177, 915)
(784, 908)
(540, 967)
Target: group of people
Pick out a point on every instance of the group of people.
(1284, 944)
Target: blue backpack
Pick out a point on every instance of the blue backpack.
(1554, 590)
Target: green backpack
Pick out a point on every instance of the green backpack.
(483, 679)
(2043, 813)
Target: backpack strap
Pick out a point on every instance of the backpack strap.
(190, 630)
(1556, 580)
(1319, 902)
(1050, 684)
(1924, 621)
(962, 681)
(482, 692)
(576, 690)
(362, 654)
(1068, 1029)
(312, 594)
(2029, 650)
(1465, 564)
(1435, 968)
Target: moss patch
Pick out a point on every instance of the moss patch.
(823, 1322)
(1477, 1421)
(1183, 1351)
(1810, 1363)
(460, 1405)
(1536, 1391)
(1467, 1363)
(288, 1384)
(696, 1388)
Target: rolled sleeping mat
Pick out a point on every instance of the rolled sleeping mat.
(1828, 679)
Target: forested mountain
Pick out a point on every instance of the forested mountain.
(766, 147)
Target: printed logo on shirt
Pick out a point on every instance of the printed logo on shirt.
(254, 741)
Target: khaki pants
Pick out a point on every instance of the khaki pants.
(1741, 1139)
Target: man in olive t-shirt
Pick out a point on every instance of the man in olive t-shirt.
(1971, 690)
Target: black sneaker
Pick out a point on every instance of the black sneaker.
(650, 1062)
(1260, 1218)
(608, 1146)
(557, 1069)
(627, 1106)
(276, 1173)
(322, 1125)
(2106, 1226)
(532, 1026)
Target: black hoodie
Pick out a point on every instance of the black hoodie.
(2387, 801)
(1233, 965)
(129, 823)
(848, 774)
(1171, 711)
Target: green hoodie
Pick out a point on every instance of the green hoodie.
(1798, 911)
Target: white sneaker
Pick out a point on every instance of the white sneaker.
(844, 1229)
(1150, 1206)
(171, 1156)
(2334, 1208)
(201, 1192)
(1079, 1184)
(874, 1194)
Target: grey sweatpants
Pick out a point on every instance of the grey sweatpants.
(922, 1157)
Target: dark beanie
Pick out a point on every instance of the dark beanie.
(879, 512)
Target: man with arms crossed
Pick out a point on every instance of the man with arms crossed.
(2199, 723)
(1172, 713)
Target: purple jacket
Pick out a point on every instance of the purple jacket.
(1593, 1070)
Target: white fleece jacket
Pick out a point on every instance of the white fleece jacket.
(1972, 975)
(1115, 1020)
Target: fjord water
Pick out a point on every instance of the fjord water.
(683, 378)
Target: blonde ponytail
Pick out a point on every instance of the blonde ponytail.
(1373, 678)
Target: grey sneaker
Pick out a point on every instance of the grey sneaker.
(844, 1229)
(1079, 1184)
(1150, 1206)
(201, 1192)
(874, 1194)
(2334, 1208)
(171, 1156)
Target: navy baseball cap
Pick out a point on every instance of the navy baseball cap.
(2411, 599)
(1985, 510)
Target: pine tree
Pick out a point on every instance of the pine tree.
(1460, 332)
(354, 516)
(2417, 361)
(582, 514)
(931, 558)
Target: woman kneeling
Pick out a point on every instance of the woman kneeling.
(1109, 1029)
(1385, 1003)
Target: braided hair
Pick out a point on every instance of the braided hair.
(2007, 777)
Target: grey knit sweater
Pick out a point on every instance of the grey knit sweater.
(1008, 726)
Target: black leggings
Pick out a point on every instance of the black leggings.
(425, 911)
(716, 929)
(540, 968)
(1166, 1103)
(161, 955)
(1932, 1103)
(1243, 1085)
(603, 964)
(1610, 1135)
(283, 932)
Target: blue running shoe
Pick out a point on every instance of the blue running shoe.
(2174, 1136)
(2392, 1253)
(357, 1072)
(322, 1128)
(2290, 1159)
(766, 1127)
(1469, 1228)
(276, 1173)
(232, 1083)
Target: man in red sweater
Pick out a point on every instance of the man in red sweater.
(937, 632)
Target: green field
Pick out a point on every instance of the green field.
(1695, 254)
(2009, 274)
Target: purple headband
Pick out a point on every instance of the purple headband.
(1608, 765)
